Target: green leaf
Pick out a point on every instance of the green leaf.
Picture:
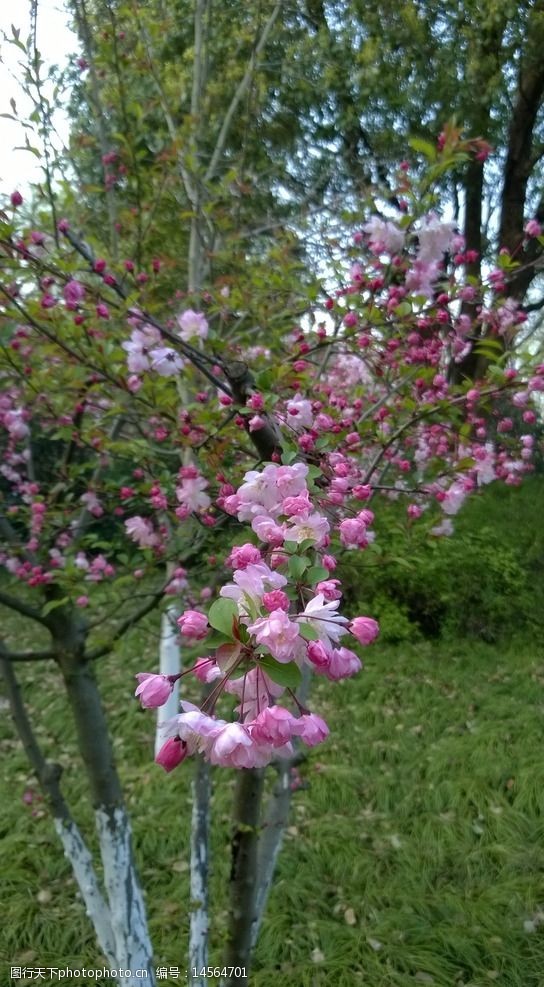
(308, 632)
(221, 615)
(423, 147)
(297, 566)
(316, 573)
(286, 674)
(290, 547)
(53, 605)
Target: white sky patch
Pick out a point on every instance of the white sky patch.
(20, 168)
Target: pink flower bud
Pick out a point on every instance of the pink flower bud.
(172, 753)
(193, 624)
(153, 690)
(365, 629)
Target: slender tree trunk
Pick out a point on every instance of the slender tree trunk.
(75, 849)
(200, 837)
(243, 877)
(169, 664)
(127, 909)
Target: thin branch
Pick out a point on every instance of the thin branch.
(239, 94)
(14, 603)
(28, 655)
(125, 625)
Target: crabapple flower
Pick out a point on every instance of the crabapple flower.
(141, 531)
(74, 293)
(334, 663)
(243, 555)
(383, 237)
(323, 616)
(256, 690)
(275, 725)
(138, 349)
(153, 690)
(314, 527)
(193, 624)
(329, 589)
(172, 753)
(312, 729)
(192, 324)
(353, 533)
(279, 634)
(365, 629)
(250, 585)
(166, 361)
(206, 670)
(190, 493)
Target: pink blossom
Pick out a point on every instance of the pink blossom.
(353, 533)
(329, 589)
(138, 349)
(193, 624)
(279, 634)
(314, 527)
(299, 414)
(92, 503)
(192, 324)
(206, 670)
(172, 753)
(141, 531)
(319, 655)
(276, 599)
(343, 663)
(242, 555)
(365, 629)
(74, 293)
(300, 505)
(249, 586)
(275, 725)
(233, 747)
(16, 199)
(268, 531)
(256, 423)
(383, 237)
(434, 237)
(532, 227)
(153, 690)
(312, 729)
(191, 493)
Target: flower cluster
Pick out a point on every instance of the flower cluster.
(277, 617)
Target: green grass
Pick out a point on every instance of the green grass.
(415, 854)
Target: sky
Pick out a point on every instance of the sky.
(55, 42)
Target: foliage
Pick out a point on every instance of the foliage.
(418, 822)
(485, 582)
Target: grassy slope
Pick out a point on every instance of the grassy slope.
(415, 854)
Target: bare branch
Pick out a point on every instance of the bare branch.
(126, 624)
(240, 93)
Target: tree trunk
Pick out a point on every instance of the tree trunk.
(243, 877)
(127, 909)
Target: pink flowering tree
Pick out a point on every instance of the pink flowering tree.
(136, 436)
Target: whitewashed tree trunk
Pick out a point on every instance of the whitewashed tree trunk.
(82, 865)
(127, 909)
(169, 664)
(200, 850)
